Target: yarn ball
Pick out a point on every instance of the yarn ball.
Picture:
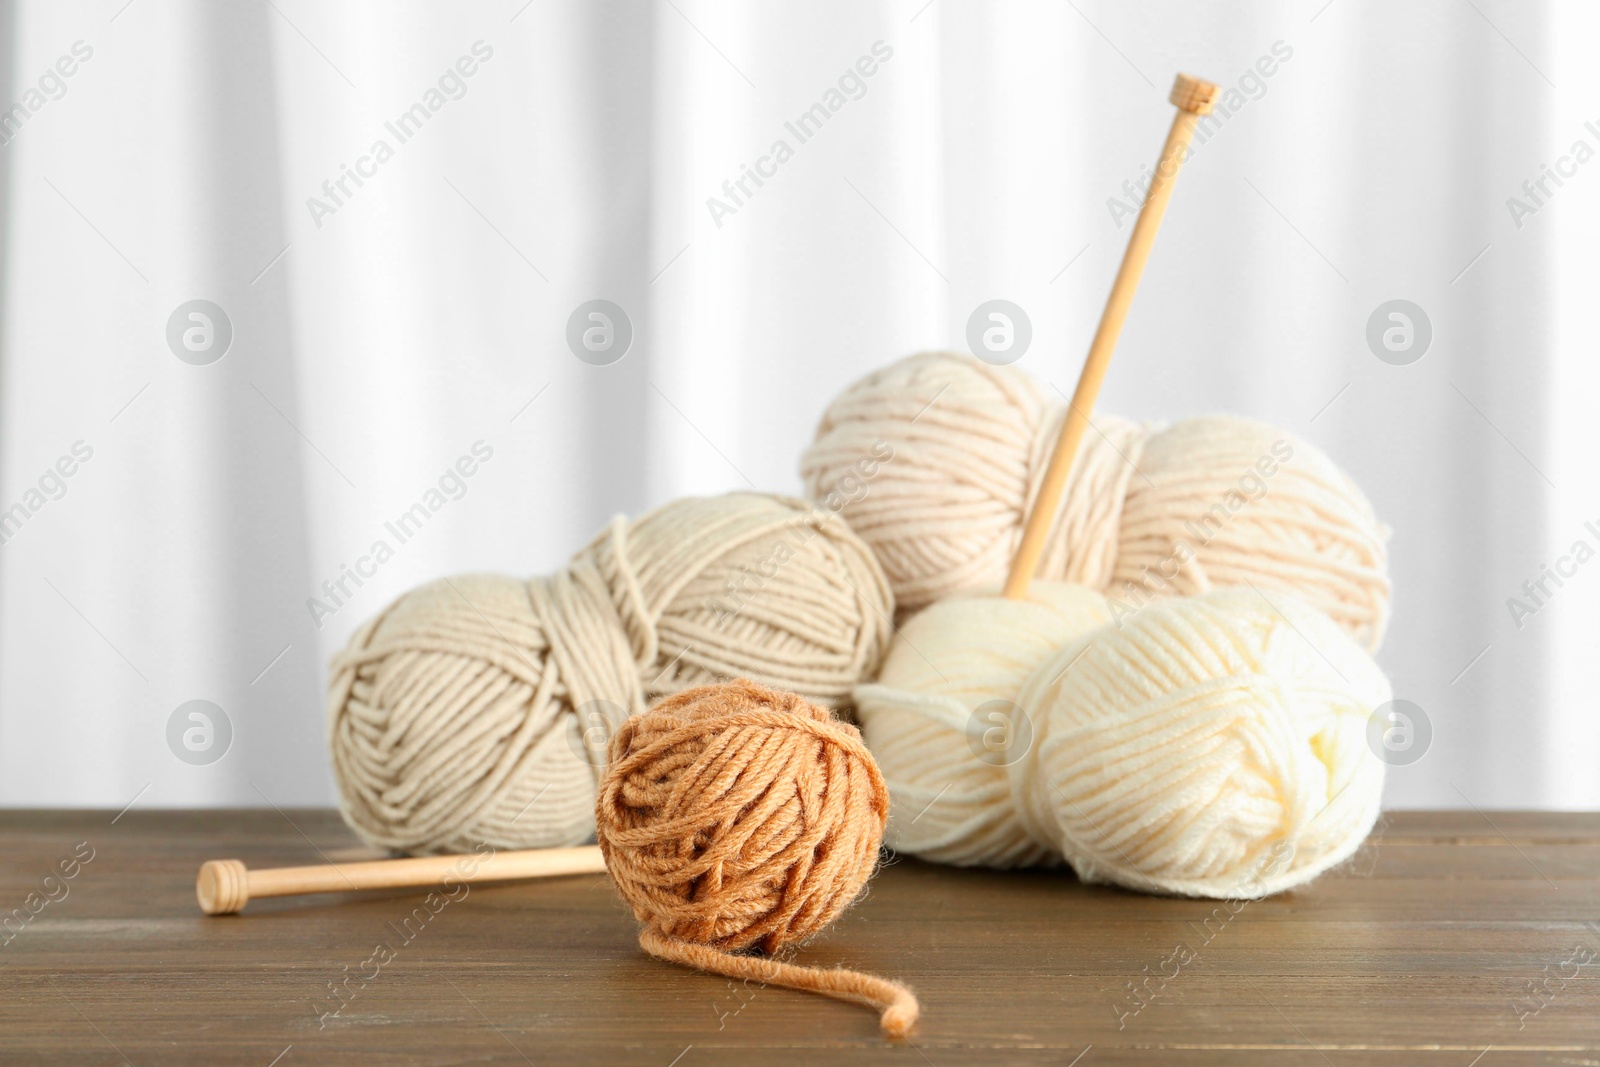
(736, 817)
(1208, 502)
(476, 709)
(1208, 747)
(942, 720)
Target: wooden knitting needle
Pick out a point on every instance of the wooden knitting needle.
(1193, 98)
(226, 886)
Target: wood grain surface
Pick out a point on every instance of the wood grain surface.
(1452, 938)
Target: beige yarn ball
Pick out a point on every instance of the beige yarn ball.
(939, 720)
(476, 709)
(1209, 747)
(1209, 502)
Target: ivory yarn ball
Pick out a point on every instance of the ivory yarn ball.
(1208, 747)
(476, 709)
(1208, 502)
(941, 719)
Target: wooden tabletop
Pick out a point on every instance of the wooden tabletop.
(1450, 934)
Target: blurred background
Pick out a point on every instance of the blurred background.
(250, 361)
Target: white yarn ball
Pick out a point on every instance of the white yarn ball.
(1211, 747)
(939, 741)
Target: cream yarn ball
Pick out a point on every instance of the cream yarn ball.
(938, 720)
(1208, 747)
(476, 709)
(1208, 502)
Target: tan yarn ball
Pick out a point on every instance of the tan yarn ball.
(1209, 502)
(1210, 747)
(468, 711)
(737, 817)
(942, 720)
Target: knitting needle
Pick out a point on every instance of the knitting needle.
(226, 886)
(1193, 98)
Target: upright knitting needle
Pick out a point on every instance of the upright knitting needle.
(1193, 98)
(226, 886)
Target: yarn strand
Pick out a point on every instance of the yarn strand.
(897, 1006)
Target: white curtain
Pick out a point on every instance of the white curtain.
(381, 331)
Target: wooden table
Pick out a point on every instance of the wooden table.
(1450, 933)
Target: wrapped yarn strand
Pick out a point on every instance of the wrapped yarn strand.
(1148, 511)
(943, 720)
(735, 817)
(1206, 746)
(1211, 746)
(467, 711)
